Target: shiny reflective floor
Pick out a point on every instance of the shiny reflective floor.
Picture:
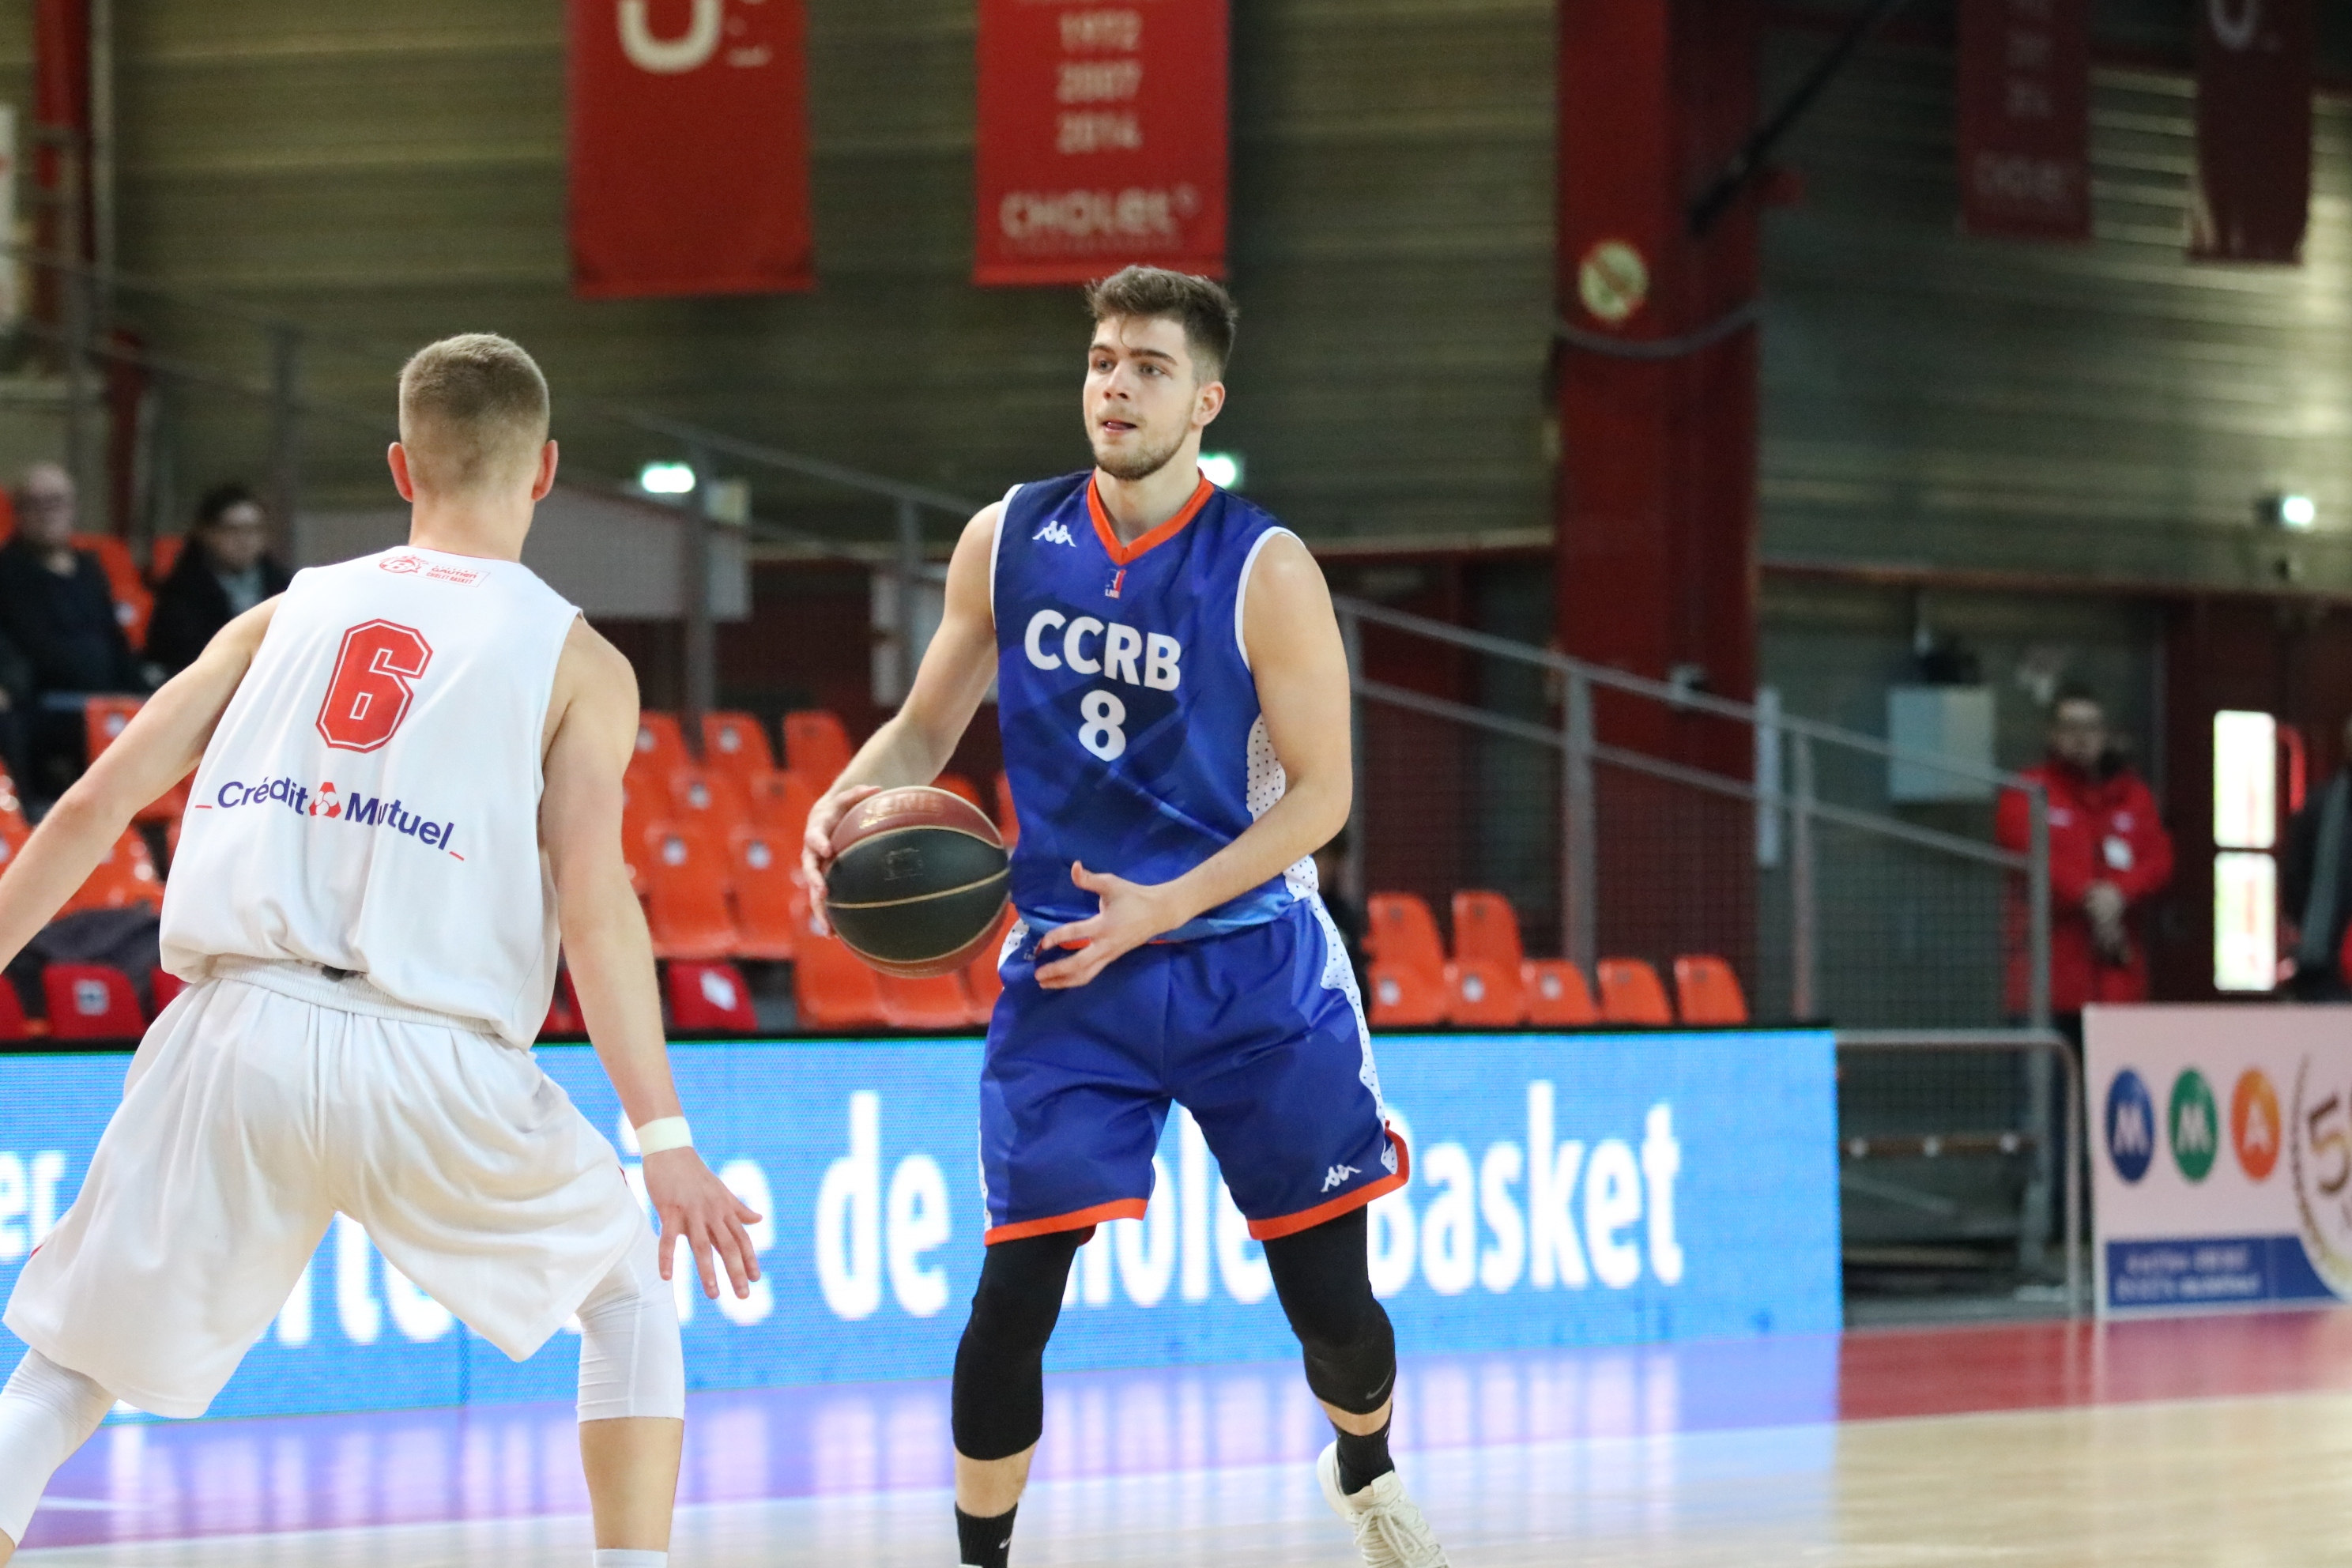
(2222, 1441)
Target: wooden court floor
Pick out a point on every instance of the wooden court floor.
(2046, 1446)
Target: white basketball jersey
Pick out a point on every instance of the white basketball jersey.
(370, 801)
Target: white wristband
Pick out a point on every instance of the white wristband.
(664, 1133)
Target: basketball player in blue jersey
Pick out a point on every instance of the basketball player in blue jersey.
(1175, 707)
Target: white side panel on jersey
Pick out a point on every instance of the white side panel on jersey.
(1267, 783)
(996, 548)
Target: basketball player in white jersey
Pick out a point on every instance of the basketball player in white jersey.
(408, 788)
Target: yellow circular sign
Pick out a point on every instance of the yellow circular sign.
(1612, 280)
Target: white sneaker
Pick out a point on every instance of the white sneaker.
(1389, 1531)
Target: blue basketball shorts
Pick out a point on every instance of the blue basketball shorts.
(1258, 1033)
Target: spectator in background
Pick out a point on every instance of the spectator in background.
(58, 610)
(2316, 887)
(225, 570)
(2110, 854)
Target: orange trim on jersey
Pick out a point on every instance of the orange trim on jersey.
(1346, 1202)
(1121, 555)
(1081, 1220)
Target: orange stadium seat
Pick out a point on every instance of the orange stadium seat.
(1557, 995)
(163, 988)
(1008, 821)
(708, 796)
(709, 998)
(114, 556)
(1708, 991)
(562, 1010)
(105, 718)
(12, 808)
(781, 802)
(964, 789)
(765, 867)
(938, 1003)
(661, 746)
(982, 983)
(831, 989)
(734, 743)
(14, 831)
(1483, 984)
(816, 746)
(164, 554)
(685, 893)
(1631, 993)
(92, 1001)
(1408, 961)
(125, 878)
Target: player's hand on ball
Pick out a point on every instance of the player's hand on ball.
(697, 1205)
(817, 845)
(1132, 913)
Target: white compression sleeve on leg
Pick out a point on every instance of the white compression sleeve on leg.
(631, 1363)
(46, 1413)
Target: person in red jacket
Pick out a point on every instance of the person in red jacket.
(2109, 856)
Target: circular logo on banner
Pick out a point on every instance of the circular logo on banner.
(2319, 1153)
(2194, 1124)
(2254, 1124)
(1612, 280)
(2131, 1126)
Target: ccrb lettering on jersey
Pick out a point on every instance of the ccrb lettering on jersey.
(1132, 734)
(370, 801)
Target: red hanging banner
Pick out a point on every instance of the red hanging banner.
(2025, 118)
(1102, 138)
(2252, 190)
(688, 147)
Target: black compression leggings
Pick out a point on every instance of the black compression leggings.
(1321, 1276)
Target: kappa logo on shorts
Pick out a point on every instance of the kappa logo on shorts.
(1339, 1176)
(1054, 533)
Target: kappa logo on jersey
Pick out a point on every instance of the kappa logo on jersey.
(1054, 533)
(1337, 1176)
(329, 805)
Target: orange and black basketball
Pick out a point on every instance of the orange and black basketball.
(918, 881)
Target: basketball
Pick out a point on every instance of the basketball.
(918, 881)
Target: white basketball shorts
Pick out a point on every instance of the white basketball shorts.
(267, 1099)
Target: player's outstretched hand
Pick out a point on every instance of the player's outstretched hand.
(817, 845)
(697, 1205)
(1132, 913)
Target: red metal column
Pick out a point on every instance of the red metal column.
(1656, 560)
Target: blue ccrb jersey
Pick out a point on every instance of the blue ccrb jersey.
(1132, 734)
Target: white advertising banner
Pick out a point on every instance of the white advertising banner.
(2221, 1156)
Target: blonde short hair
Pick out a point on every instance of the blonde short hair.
(473, 408)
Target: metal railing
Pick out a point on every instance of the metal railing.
(1796, 803)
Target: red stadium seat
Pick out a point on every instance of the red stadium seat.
(1557, 995)
(92, 1001)
(935, 1004)
(113, 554)
(11, 807)
(709, 999)
(1008, 821)
(1631, 993)
(164, 554)
(1408, 961)
(169, 806)
(816, 746)
(14, 1025)
(1708, 991)
(661, 746)
(685, 893)
(1483, 984)
(982, 983)
(734, 743)
(105, 718)
(13, 835)
(718, 800)
(163, 988)
(125, 878)
(562, 1011)
(766, 868)
(780, 802)
(831, 989)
